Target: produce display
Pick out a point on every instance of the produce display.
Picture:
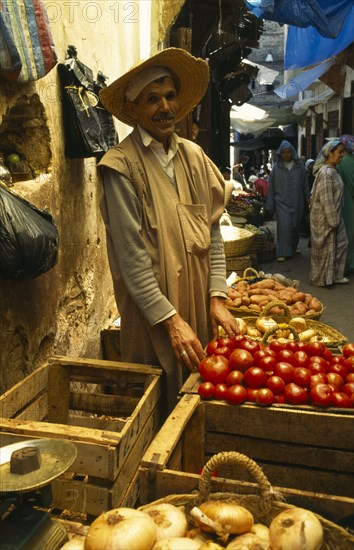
(214, 525)
(241, 369)
(254, 297)
(246, 205)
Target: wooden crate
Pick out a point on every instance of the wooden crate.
(292, 450)
(109, 410)
(237, 263)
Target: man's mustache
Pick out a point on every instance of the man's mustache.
(163, 116)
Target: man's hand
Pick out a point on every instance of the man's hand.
(184, 342)
(221, 316)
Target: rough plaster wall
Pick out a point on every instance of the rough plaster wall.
(63, 311)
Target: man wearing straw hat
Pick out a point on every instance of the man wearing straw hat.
(163, 198)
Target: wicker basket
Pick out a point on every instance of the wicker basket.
(264, 506)
(240, 245)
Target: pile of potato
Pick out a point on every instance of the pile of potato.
(254, 297)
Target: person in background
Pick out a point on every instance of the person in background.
(287, 194)
(346, 171)
(328, 236)
(238, 173)
(309, 164)
(305, 226)
(163, 199)
(262, 185)
(251, 184)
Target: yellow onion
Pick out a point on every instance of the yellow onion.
(121, 529)
(223, 518)
(261, 531)
(295, 528)
(74, 544)
(170, 520)
(248, 541)
(177, 543)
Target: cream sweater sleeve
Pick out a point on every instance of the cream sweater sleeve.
(124, 220)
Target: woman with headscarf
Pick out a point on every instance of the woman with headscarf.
(346, 170)
(287, 194)
(328, 236)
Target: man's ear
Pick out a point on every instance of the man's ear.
(130, 108)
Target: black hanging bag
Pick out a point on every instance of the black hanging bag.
(28, 238)
(88, 126)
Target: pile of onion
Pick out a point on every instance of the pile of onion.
(296, 528)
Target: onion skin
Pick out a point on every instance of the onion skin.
(74, 544)
(295, 528)
(170, 520)
(177, 543)
(249, 541)
(121, 529)
(233, 518)
(261, 531)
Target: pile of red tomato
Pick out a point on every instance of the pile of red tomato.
(299, 373)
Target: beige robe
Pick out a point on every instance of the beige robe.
(176, 226)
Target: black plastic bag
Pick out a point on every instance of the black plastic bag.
(88, 126)
(28, 238)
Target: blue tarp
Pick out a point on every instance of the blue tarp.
(302, 81)
(306, 47)
(327, 16)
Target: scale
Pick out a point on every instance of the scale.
(26, 471)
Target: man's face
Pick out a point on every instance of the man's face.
(286, 155)
(156, 108)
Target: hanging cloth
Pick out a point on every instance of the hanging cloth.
(27, 51)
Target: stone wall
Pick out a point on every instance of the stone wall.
(63, 311)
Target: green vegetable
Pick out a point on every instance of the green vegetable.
(13, 158)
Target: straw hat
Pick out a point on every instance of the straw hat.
(192, 74)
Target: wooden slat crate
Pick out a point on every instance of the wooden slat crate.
(109, 410)
(292, 450)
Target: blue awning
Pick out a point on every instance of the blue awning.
(302, 81)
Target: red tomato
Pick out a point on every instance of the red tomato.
(285, 355)
(251, 394)
(264, 397)
(258, 355)
(276, 346)
(316, 368)
(321, 395)
(335, 379)
(348, 388)
(255, 377)
(327, 354)
(220, 390)
(292, 346)
(300, 359)
(349, 377)
(223, 350)
(279, 398)
(302, 346)
(318, 378)
(236, 395)
(226, 342)
(276, 384)
(285, 371)
(237, 339)
(338, 359)
(206, 390)
(316, 348)
(235, 377)
(302, 377)
(348, 350)
(268, 363)
(341, 399)
(321, 360)
(211, 347)
(214, 368)
(250, 345)
(340, 369)
(240, 359)
(295, 395)
(349, 363)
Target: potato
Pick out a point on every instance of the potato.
(254, 307)
(256, 299)
(315, 304)
(299, 296)
(301, 307)
(237, 302)
(245, 300)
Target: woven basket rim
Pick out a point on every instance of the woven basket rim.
(264, 506)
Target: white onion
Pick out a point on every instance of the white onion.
(74, 544)
(249, 541)
(223, 518)
(177, 543)
(295, 528)
(170, 520)
(121, 529)
(261, 531)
